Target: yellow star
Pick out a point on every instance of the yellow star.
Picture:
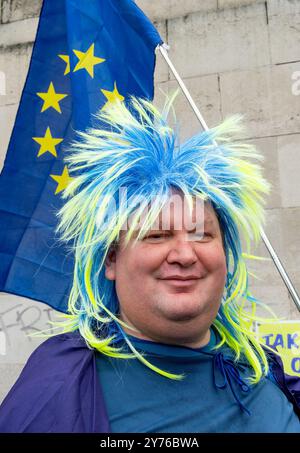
(112, 96)
(47, 143)
(66, 59)
(87, 60)
(63, 180)
(51, 99)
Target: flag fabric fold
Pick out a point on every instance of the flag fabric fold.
(85, 55)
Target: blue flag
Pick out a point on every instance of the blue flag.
(86, 54)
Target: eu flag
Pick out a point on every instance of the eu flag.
(86, 54)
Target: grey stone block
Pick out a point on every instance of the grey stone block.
(265, 97)
(19, 319)
(7, 118)
(282, 229)
(274, 229)
(14, 64)
(295, 311)
(9, 374)
(289, 166)
(263, 270)
(275, 298)
(284, 29)
(290, 221)
(270, 291)
(167, 9)
(219, 41)
(21, 32)
(14, 10)
(236, 3)
(277, 229)
(268, 148)
(205, 92)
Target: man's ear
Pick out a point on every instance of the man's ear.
(110, 264)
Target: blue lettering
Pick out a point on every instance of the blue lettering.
(291, 340)
(267, 339)
(278, 341)
(296, 364)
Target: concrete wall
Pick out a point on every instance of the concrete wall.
(235, 56)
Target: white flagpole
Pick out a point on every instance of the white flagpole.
(164, 52)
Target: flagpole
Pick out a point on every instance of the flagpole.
(164, 52)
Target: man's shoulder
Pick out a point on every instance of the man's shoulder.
(290, 385)
(60, 347)
(51, 363)
(45, 396)
(68, 339)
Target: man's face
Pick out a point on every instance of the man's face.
(170, 284)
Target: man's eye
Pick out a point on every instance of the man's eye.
(200, 236)
(156, 236)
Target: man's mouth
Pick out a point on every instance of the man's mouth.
(181, 277)
(181, 282)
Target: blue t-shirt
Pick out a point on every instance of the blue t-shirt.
(140, 400)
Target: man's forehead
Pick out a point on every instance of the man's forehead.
(202, 214)
(171, 221)
(179, 213)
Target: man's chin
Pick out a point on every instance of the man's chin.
(178, 317)
(181, 313)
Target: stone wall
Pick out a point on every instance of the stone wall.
(235, 56)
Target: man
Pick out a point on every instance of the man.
(157, 337)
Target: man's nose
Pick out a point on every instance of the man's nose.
(182, 251)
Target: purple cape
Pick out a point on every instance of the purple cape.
(59, 391)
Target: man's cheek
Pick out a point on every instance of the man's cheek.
(215, 262)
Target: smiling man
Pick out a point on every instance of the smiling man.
(178, 279)
(157, 337)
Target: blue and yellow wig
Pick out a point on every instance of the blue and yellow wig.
(132, 146)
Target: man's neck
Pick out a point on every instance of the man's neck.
(193, 344)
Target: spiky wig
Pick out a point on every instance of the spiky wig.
(132, 146)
